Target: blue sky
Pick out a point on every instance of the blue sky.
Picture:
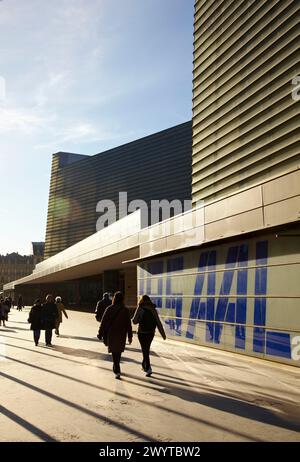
(82, 76)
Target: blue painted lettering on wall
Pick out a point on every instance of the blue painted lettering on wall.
(154, 268)
(174, 303)
(208, 305)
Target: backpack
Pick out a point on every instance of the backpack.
(148, 321)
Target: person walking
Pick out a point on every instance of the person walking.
(101, 306)
(49, 317)
(114, 328)
(61, 310)
(147, 318)
(20, 303)
(35, 319)
(9, 302)
(2, 312)
(6, 308)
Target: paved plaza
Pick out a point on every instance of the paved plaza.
(69, 393)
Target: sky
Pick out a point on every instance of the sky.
(82, 76)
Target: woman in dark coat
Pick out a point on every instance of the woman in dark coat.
(148, 320)
(49, 317)
(115, 327)
(35, 319)
(2, 312)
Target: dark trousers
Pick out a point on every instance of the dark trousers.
(48, 336)
(145, 341)
(116, 360)
(36, 336)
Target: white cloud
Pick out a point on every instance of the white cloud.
(21, 120)
(53, 87)
(81, 132)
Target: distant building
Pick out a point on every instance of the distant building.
(14, 266)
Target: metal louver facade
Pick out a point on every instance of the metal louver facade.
(152, 168)
(245, 121)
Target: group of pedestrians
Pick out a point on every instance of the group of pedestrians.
(116, 326)
(46, 316)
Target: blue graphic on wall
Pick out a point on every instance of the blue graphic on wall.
(223, 311)
(216, 308)
(174, 303)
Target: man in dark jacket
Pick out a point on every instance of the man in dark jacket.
(49, 317)
(20, 303)
(35, 319)
(102, 305)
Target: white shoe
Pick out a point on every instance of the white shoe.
(118, 376)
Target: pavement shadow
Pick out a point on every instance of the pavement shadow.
(233, 403)
(139, 350)
(69, 404)
(41, 350)
(78, 352)
(17, 338)
(86, 339)
(27, 425)
(23, 328)
(125, 395)
(177, 380)
(7, 330)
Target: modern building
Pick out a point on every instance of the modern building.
(238, 289)
(38, 250)
(225, 274)
(155, 167)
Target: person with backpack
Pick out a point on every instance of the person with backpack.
(114, 328)
(147, 318)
